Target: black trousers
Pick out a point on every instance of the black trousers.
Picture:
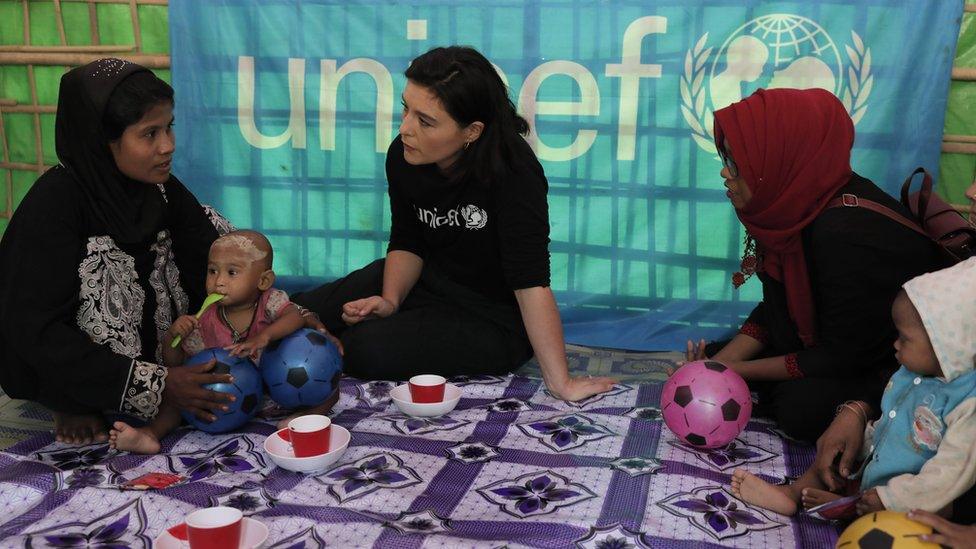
(441, 328)
(803, 408)
(964, 508)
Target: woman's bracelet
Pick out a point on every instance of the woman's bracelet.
(863, 407)
(854, 406)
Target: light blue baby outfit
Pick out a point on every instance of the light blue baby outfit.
(921, 453)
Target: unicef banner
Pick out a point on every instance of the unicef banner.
(285, 110)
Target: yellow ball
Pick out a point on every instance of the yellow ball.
(885, 530)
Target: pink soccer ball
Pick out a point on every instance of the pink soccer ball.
(706, 404)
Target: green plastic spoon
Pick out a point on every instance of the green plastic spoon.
(211, 299)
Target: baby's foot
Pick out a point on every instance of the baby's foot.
(138, 440)
(752, 489)
(813, 497)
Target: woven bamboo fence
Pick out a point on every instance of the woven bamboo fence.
(67, 56)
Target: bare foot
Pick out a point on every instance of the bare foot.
(813, 497)
(752, 489)
(138, 440)
(79, 428)
(321, 409)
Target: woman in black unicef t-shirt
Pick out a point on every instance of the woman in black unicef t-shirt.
(464, 288)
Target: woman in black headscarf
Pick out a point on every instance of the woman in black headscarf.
(106, 249)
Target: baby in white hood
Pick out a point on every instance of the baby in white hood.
(921, 453)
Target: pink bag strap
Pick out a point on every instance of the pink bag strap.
(852, 201)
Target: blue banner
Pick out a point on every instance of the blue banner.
(285, 110)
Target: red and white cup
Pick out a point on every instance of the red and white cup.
(310, 435)
(427, 388)
(214, 528)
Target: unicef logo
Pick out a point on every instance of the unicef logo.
(773, 51)
(474, 217)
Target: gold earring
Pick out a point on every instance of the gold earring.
(466, 145)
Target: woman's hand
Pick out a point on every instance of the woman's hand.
(947, 534)
(842, 439)
(369, 307)
(545, 330)
(578, 388)
(692, 353)
(183, 390)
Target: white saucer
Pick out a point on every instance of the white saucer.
(401, 397)
(280, 451)
(253, 534)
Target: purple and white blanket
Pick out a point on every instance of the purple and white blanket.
(511, 466)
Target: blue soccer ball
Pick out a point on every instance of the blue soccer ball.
(246, 387)
(300, 369)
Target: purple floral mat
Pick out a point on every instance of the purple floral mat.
(511, 466)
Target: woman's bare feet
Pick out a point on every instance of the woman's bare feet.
(79, 428)
(754, 490)
(813, 497)
(138, 440)
(321, 409)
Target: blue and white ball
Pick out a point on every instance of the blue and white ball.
(246, 387)
(299, 369)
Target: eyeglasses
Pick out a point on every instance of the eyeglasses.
(728, 162)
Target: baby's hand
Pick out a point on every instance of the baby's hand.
(249, 348)
(182, 327)
(869, 503)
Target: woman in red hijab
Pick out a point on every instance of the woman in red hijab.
(823, 334)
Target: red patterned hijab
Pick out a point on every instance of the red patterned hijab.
(793, 149)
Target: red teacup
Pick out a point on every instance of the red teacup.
(214, 528)
(427, 388)
(310, 435)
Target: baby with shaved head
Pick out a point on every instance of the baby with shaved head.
(251, 244)
(250, 315)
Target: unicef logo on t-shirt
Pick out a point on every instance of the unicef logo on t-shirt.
(474, 217)
(773, 51)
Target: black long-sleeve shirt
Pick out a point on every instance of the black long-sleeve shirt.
(492, 238)
(80, 316)
(857, 260)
